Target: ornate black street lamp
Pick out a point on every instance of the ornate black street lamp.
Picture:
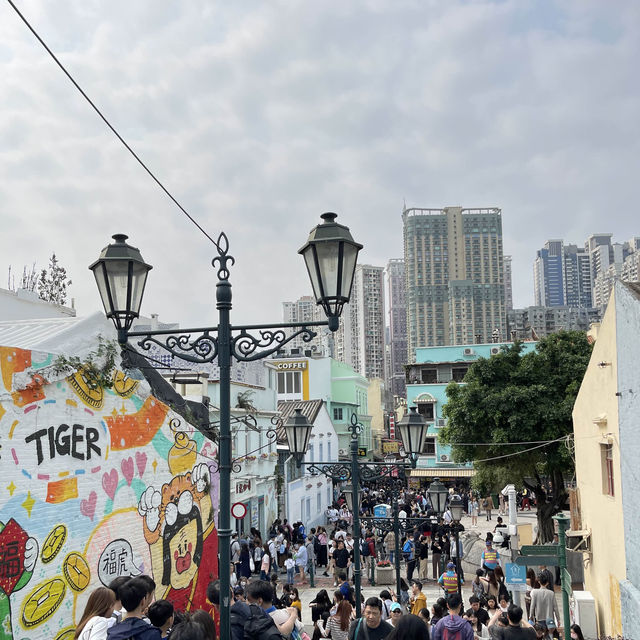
(437, 493)
(330, 256)
(298, 433)
(457, 509)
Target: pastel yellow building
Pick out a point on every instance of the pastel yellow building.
(607, 449)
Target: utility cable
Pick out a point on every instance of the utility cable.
(519, 453)
(104, 119)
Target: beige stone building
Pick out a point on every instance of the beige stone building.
(607, 454)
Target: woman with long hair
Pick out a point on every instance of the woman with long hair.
(576, 632)
(410, 627)
(319, 605)
(94, 622)
(265, 563)
(337, 625)
(491, 585)
(479, 630)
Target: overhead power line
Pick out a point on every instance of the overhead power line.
(104, 119)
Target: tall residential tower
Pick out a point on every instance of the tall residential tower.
(454, 276)
(395, 379)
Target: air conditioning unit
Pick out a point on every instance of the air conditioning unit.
(308, 353)
(468, 351)
(495, 350)
(342, 452)
(445, 458)
(441, 422)
(296, 351)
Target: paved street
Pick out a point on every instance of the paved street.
(430, 588)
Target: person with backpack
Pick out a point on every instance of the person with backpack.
(408, 553)
(261, 625)
(452, 627)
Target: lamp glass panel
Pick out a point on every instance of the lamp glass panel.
(309, 260)
(328, 258)
(350, 255)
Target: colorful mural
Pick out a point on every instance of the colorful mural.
(95, 484)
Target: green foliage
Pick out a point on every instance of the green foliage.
(52, 284)
(97, 367)
(245, 401)
(512, 397)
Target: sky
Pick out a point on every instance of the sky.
(260, 116)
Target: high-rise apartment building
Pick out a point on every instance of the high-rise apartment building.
(359, 341)
(305, 309)
(454, 276)
(397, 337)
(508, 284)
(568, 275)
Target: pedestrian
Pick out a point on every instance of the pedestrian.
(161, 616)
(449, 579)
(490, 558)
(417, 600)
(474, 511)
(320, 605)
(436, 554)
(290, 566)
(135, 599)
(94, 621)
(204, 619)
(543, 602)
(453, 626)
(479, 630)
(295, 601)
(257, 556)
(244, 568)
(410, 627)
(301, 557)
(423, 553)
(337, 626)
(311, 555)
(265, 563)
(408, 553)
(341, 561)
(518, 628)
(390, 546)
(322, 555)
(370, 626)
(396, 614)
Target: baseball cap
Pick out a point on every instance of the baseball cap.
(550, 623)
(488, 542)
(396, 607)
(451, 566)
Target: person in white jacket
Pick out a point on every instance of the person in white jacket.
(94, 622)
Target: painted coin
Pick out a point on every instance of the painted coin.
(91, 395)
(76, 571)
(123, 385)
(66, 634)
(53, 543)
(42, 602)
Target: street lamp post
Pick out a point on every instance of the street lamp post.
(298, 432)
(457, 508)
(330, 256)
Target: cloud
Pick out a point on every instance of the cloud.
(260, 116)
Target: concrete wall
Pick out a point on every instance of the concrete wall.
(627, 302)
(601, 513)
(23, 304)
(87, 478)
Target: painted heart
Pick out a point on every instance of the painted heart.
(141, 462)
(127, 469)
(88, 507)
(110, 483)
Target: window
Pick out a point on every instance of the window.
(318, 503)
(429, 375)
(606, 456)
(429, 447)
(426, 409)
(329, 450)
(321, 451)
(290, 383)
(458, 373)
(337, 413)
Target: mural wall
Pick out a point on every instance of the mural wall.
(95, 484)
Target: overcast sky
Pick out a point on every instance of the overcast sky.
(260, 116)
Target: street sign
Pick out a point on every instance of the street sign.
(534, 561)
(539, 550)
(238, 510)
(515, 574)
(381, 511)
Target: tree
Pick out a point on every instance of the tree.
(52, 285)
(521, 398)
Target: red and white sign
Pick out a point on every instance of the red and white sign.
(392, 427)
(242, 486)
(238, 510)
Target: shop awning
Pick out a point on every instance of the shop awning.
(443, 472)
